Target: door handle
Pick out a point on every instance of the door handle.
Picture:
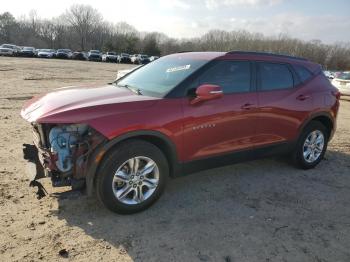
(303, 97)
(247, 106)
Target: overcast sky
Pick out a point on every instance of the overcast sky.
(328, 20)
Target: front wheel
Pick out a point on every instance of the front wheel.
(132, 177)
(311, 146)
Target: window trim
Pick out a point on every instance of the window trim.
(258, 76)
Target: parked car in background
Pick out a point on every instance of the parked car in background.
(143, 59)
(64, 53)
(134, 59)
(37, 51)
(124, 58)
(336, 74)
(46, 53)
(80, 56)
(124, 72)
(9, 50)
(152, 58)
(180, 114)
(110, 57)
(95, 55)
(140, 59)
(342, 82)
(27, 51)
(329, 74)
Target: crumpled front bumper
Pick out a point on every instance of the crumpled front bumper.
(34, 168)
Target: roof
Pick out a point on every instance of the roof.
(199, 55)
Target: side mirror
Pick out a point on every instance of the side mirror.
(207, 92)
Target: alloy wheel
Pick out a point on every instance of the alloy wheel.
(313, 146)
(135, 180)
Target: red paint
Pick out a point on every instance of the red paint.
(211, 127)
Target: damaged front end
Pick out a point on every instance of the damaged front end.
(61, 152)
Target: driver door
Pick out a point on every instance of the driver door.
(226, 124)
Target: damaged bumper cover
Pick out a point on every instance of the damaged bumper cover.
(34, 168)
(48, 157)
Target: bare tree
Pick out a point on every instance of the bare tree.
(8, 26)
(82, 27)
(84, 20)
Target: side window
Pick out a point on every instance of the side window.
(274, 76)
(231, 76)
(302, 72)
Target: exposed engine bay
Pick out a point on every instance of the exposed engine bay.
(64, 142)
(62, 152)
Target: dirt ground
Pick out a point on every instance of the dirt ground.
(264, 210)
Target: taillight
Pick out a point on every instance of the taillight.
(336, 93)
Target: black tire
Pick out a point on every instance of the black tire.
(298, 156)
(121, 153)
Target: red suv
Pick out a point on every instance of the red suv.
(179, 114)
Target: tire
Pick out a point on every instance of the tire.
(120, 160)
(302, 157)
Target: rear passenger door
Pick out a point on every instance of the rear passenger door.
(282, 104)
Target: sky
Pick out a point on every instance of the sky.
(328, 21)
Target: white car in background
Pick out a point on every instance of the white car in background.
(110, 57)
(152, 58)
(342, 82)
(9, 50)
(124, 72)
(329, 74)
(46, 53)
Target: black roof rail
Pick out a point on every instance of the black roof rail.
(266, 54)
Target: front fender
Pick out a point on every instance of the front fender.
(100, 152)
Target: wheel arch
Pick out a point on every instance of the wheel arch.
(323, 117)
(157, 138)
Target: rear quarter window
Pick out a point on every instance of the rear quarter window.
(303, 73)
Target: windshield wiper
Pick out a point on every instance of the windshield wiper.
(133, 89)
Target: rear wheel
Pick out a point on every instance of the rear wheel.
(311, 145)
(132, 177)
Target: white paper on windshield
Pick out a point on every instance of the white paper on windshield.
(178, 68)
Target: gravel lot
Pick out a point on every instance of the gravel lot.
(264, 210)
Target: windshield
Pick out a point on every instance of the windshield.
(344, 76)
(161, 76)
(28, 48)
(94, 51)
(63, 50)
(110, 53)
(45, 50)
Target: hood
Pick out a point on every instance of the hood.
(81, 104)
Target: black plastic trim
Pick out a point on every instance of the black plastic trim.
(237, 157)
(266, 54)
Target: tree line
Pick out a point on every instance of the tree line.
(81, 27)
